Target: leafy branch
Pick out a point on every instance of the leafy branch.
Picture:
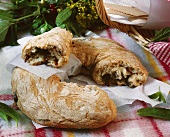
(39, 16)
(9, 25)
(7, 112)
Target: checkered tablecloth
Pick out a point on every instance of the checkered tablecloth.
(127, 123)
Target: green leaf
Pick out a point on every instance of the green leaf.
(8, 111)
(158, 96)
(11, 37)
(162, 98)
(5, 15)
(44, 9)
(38, 30)
(36, 23)
(63, 16)
(62, 26)
(74, 28)
(154, 96)
(161, 113)
(4, 26)
(41, 29)
(45, 27)
(3, 115)
(161, 35)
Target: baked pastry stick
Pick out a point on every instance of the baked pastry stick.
(60, 104)
(51, 48)
(109, 62)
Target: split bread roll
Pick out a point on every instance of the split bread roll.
(60, 104)
(51, 48)
(109, 62)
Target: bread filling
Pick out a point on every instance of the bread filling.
(123, 76)
(39, 56)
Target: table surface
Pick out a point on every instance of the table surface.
(127, 123)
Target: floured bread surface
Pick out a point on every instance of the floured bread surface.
(60, 104)
(109, 62)
(51, 48)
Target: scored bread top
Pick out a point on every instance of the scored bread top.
(60, 104)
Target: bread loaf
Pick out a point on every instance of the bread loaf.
(60, 104)
(109, 62)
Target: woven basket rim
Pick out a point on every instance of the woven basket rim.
(141, 36)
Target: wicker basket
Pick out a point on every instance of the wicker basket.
(141, 36)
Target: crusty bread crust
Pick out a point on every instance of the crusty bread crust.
(56, 41)
(60, 104)
(109, 62)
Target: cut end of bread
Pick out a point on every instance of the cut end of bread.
(51, 48)
(121, 74)
(51, 57)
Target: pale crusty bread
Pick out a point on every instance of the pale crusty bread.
(51, 48)
(60, 104)
(109, 62)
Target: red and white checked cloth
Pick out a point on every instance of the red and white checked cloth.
(162, 51)
(127, 123)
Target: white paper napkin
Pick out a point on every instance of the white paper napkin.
(122, 95)
(43, 71)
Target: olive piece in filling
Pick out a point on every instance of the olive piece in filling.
(109, 80)
(112, 80)
(15, 98)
